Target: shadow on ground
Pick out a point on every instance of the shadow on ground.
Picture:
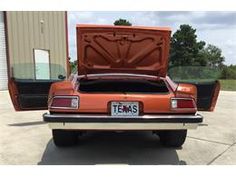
(27, 124)
(134, 148)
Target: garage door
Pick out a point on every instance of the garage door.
(3, 61)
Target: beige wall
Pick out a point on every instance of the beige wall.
(36, 30)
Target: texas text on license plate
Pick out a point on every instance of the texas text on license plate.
(124, 108)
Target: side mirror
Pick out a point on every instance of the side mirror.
(61, 77)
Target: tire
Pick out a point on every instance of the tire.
(173, 138)
(64, 138)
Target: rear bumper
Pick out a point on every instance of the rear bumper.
(105, 122)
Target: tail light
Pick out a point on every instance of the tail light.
(183, 103)
(65, 102)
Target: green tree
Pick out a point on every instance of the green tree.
(212, 56)
(228, 72)
(122, 22)
(73, 66)
(185, 47)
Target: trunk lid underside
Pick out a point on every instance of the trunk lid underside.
(120, 49)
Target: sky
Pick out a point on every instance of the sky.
(217, 28)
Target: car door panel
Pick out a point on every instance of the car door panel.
(207, 94)
(27, 94)
(205, 79)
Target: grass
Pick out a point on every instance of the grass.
(229, 85)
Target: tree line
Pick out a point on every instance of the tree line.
(187, 51)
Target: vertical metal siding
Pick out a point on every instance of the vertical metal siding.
(3, 58)
(24, 35)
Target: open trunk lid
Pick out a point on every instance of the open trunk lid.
(122, 49)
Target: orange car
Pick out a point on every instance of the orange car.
(121, 84)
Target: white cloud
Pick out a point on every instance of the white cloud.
(102, 21)
(217, 28)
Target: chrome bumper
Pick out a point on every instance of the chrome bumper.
(106, 122)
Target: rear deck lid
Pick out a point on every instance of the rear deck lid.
(122, 49)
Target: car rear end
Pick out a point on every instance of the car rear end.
(128, 102)
(122, 84)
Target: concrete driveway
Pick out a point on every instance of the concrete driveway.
(25, 139)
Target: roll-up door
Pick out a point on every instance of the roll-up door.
(3, 58)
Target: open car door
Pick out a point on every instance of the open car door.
(30, 83)
(205, 80)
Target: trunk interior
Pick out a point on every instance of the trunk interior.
(127, 86)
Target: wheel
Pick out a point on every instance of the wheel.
(63, 138)
(173, 138)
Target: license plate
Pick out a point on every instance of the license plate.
(124, 108)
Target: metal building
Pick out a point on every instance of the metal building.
(33, 38)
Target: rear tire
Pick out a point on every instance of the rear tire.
(64, 138)
(173, 138)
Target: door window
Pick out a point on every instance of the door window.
(194, 74)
